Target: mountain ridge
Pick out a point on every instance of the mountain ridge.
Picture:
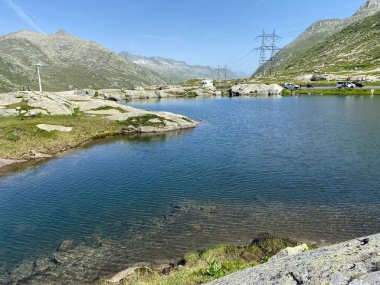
(176, 70)
(316, 34)
(71, 62)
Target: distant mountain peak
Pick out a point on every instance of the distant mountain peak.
(369, 8)
(175, 70)
(25, 34)
(322, 23)
(62, 32)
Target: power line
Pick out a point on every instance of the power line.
(244, 52)
(300, 26)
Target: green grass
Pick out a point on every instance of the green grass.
(187, 119)
(105, 108)
(28, 137)
(176, 93)
(212, 263)
(19, 135)
(23, 106)
(191, 94)
(343, 91)
(144, 121)
(352, 49)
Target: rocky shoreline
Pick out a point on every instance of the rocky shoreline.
(8, 162)
(103, 103)
(42, 125)
(355, 262)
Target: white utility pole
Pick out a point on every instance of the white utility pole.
(38, 66)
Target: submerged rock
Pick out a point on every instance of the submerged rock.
(66, 245)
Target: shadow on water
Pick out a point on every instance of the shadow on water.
(128, 139)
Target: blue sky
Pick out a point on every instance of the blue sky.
(205, 32)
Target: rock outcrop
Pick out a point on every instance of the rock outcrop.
(51, 128)
(6, 162)
(289, 251)
(67, 103)
(256, 90)
(47, 103)
(356, 262)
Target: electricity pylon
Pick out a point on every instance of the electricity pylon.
(268, 44)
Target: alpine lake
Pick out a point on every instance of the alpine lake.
(306, 168)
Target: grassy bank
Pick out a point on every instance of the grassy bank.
(210, 264)
(20, 135)
(315, 91)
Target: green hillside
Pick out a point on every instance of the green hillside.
(340, 46)
(70, 62)
(354, 49)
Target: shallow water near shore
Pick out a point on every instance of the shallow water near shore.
(301, 167)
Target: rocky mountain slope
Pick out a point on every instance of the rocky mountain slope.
(71, 63)
(325, 33)
(177, 71)
(354, 49)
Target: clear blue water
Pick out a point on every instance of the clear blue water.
(302, 167)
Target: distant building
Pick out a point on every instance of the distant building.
(207, 83)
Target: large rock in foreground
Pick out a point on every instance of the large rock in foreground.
(256, 90)
(355, 262)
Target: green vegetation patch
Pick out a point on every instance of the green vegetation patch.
(104, 108)
(22, 106)
(351, 48)
(191, 94)
(19, 136)
(187, 119)
(327, 92)
(175, 93)
(150, 120)
(210, 264)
